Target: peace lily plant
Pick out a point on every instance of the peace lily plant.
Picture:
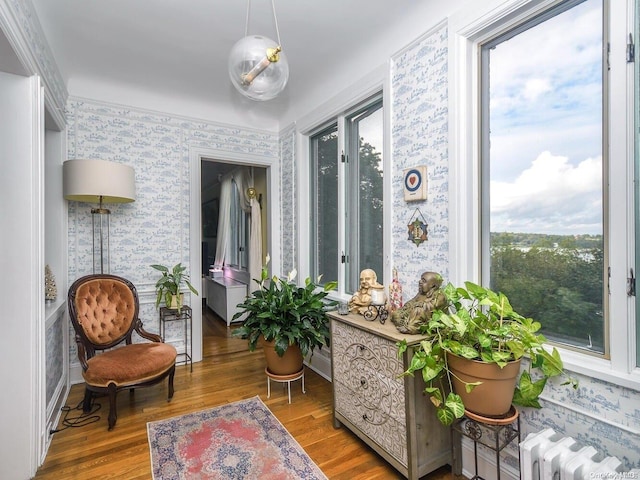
(479, 324)
(286, 313)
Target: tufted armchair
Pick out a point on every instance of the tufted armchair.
(104, 313)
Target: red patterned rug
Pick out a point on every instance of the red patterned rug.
(241, 440)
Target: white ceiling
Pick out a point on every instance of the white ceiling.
(173, 53)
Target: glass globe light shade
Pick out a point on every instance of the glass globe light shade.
(253, 73)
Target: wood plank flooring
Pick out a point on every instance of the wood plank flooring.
(228, 372)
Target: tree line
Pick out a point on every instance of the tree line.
(556, 280)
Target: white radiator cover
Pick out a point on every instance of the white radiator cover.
(547, 455)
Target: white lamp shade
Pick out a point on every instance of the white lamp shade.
(88, 180)
(248, 59)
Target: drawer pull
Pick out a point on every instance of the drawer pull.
(363, 382)
(365, 417)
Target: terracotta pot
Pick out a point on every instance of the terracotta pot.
(493, 397)
(289, 363)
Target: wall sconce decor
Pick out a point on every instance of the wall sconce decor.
(417, 228)
(258, 67)
(99, 181)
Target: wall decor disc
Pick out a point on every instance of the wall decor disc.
(415, 183)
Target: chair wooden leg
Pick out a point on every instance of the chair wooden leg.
(86, 403)
(113, 416)
(171, 375)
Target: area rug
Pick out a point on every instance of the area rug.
(240, 440)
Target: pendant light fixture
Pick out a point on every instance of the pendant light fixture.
(258, 67)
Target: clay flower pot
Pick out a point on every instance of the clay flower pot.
(494, 396)
(289, 363)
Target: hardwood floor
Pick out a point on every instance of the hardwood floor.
(228, 372)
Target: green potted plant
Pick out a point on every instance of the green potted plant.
(478, 327)
(290, 319)
(169, 284)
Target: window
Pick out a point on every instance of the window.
(543, 192)
(346, 196)
(324, 190)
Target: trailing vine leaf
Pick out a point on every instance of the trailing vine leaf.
(480, 324)
(527, 392)
(445, 416)
(455, 404)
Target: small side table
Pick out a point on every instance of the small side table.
(499, 434)
(284, 379)
(185, 315)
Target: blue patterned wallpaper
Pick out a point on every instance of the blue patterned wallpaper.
(39, 54)
(288, 211)
(154, 228)
(54, 356)
(419, 137)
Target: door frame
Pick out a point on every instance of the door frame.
(272, 166)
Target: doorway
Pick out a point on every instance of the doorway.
(212, 173)
(205, 165)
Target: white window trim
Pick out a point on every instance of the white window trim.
(467, 30)
(374, 82)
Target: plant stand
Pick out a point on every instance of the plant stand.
(499, 434)
(185, 315)
(284, 379)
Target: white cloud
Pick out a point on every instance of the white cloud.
(551, 196)
(546, 96)
(535, 87)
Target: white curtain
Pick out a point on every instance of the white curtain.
(244, 180)
(224, 220)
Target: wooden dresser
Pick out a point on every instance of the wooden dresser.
(388, 412)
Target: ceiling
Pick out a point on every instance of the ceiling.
(133, 52)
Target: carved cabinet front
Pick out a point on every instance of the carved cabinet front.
(371, 398)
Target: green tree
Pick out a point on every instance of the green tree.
(369, 207)
(561, 288)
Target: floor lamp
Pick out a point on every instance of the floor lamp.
(99, 181)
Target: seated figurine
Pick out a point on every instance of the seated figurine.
(417, 311)
(361, 300)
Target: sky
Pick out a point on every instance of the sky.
(546, 135)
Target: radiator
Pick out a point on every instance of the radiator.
(547, 455)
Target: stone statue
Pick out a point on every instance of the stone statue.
(360, 301)
(418, 310)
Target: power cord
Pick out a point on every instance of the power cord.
(80, 420)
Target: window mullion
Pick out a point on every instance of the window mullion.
(622, 192)
(342, 207)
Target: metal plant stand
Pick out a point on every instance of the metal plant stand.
(185, 315)
(495, 434)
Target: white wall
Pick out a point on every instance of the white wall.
(22, 281)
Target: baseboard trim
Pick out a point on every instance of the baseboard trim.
(320, 363)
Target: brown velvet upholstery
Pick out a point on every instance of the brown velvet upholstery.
(104, 313)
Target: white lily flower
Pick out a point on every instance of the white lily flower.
(292, 275)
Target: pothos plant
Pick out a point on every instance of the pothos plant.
(480, 324)
(284, 312)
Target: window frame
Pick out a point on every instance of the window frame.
(465, 40)
(375, 83)
(485, 48)
(348, 198)
(352, 174)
